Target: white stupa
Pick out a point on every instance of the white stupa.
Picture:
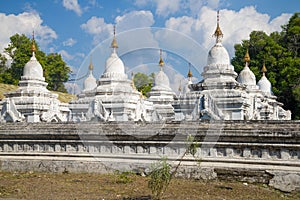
(80, 106)
(117, 93)
(246, 76)
(32, 101)
(113, 97)
(90, 83)
(218, 72)
(186, 88)
(264, 84)
(221, 95)
(161, 94)
(187, 100)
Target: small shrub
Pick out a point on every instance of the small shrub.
(160, 177)
(123, 177)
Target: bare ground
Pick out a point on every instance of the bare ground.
(125, 186)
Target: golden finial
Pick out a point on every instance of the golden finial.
(91, 67)
(264, 69)
(218, 33)
(33, 48)
(114, 43)
(161, 62)
(179, 88)
(247, 56)
(190, 74)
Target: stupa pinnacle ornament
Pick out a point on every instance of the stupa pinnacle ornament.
(179, 88)
(264, 69)
(190, 74)
(114, 43)
(247, 57)
(161, 61)
(33, 48)
(91, 67)
(218, 33)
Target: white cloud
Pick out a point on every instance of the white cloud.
(280, 20)
(69, 42)
(134, 30)
(134, 19)
(141, 3)
(194, 6)
(73, 5)
(25, 23)
(163, 7)
(183, 24)
(166, 7)
(98, 28)
(213, 3)
(81, 55)
(66, 55)
(236, 25)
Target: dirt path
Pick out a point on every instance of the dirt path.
(114, 186)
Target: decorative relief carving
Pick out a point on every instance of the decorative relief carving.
(246, 152)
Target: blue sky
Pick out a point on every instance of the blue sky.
(182, 28)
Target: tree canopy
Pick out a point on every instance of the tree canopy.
(143, 82)
(56, 72)
(280, 53)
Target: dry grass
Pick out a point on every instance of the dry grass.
(4, 88)
(63, 97)
(112, 186)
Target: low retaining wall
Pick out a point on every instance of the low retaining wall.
(256, 151)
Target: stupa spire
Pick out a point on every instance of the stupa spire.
(264, 69)
(179, 87)
(91, 66)
(190, 74)
(114, 43)
(33, 47)
(247, 58)
(161, 61)
(218, 33)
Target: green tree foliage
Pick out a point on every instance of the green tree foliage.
(56, 72)
(3, 66)
(143, 82)
(280, 52)
(19, 51)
